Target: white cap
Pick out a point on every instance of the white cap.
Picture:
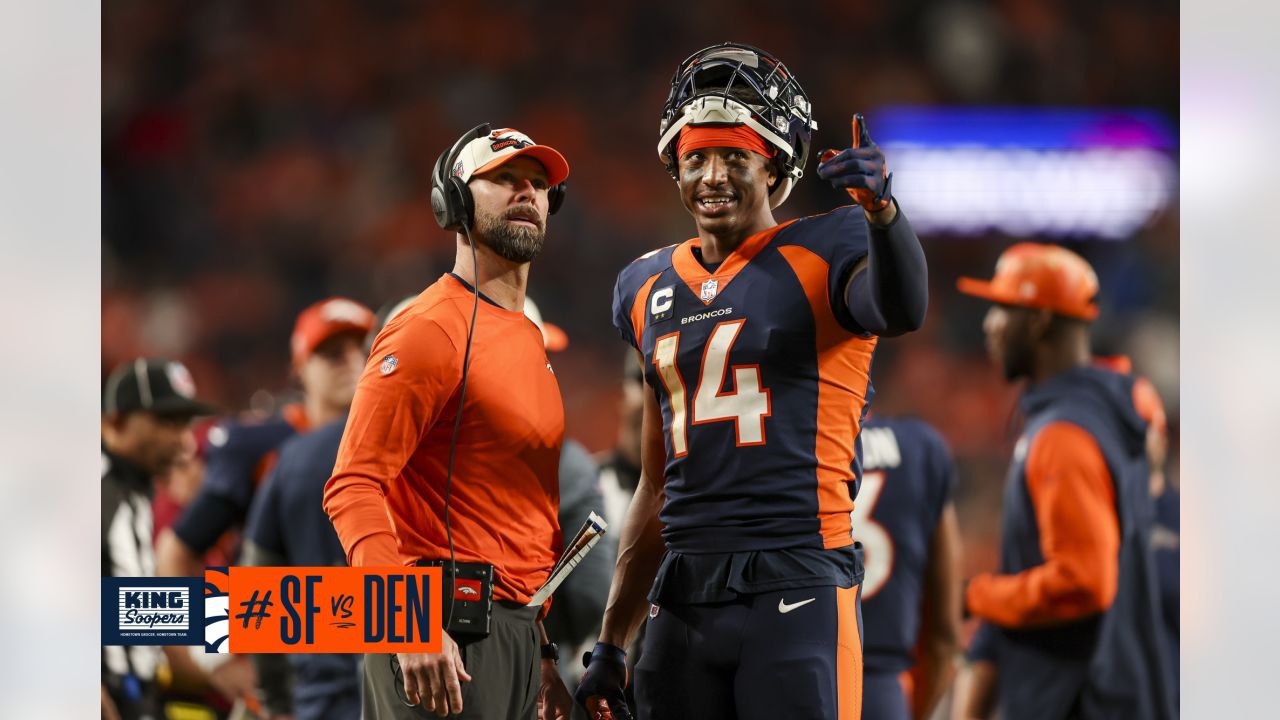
(486, 153)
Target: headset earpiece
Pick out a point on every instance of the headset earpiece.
(555, 198)
(451, 200)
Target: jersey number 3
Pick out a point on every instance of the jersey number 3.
(877, 544)
(747, 405)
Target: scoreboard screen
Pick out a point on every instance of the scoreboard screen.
(1055, 172)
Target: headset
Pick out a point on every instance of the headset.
(451, 199)
(454, 209)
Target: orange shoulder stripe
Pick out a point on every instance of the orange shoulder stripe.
(637, 307)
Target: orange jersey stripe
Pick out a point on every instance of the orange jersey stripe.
(844, 365)
(637, 308)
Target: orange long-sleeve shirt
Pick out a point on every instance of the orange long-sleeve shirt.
(1074, 498)
(386, 495)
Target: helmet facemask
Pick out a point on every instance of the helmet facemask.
(734, 84)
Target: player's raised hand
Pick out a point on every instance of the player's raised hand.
(861, 170)
(601, 689)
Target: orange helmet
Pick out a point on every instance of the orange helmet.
(1035, 275)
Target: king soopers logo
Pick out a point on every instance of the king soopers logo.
(150, 609)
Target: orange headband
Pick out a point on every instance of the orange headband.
(735, 136)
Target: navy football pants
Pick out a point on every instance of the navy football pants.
(793, 653)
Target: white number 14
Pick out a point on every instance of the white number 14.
(747, 405)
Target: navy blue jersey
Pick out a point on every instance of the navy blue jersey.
(287, 517)
(240, 453)
(762, 376)
(288, 522)
(907, 477)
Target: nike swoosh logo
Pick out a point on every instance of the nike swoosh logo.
(784, 608)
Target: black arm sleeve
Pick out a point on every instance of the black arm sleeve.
(890, 297)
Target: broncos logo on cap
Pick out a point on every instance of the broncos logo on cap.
(508, 138)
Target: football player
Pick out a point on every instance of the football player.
(977, 684)
(910, 537)
(756, 339)
(327, 357)
(1074, 603)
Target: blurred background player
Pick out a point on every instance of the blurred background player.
(619, 474)
(327, 358)
(147, 408)
(757, 339)
(287, 526)
(977, 684)
(176, 489)
(910, 538)
(574, 618)
(1074, 605)
(202, 686)
(620, 464)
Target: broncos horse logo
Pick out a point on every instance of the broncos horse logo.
(217, 608)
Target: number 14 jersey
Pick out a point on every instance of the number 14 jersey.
(762, 375)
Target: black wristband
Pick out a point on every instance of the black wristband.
(551, 652)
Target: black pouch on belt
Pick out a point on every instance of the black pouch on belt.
(472, 593)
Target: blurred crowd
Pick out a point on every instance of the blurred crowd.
(260, 156)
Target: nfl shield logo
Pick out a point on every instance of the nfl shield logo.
(388, 364)
(709, 290)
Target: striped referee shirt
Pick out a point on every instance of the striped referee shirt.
(127, 552)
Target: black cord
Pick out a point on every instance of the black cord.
(399, 680)
(457, 421)
(453, 446)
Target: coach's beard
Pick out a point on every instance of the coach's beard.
(515, 243)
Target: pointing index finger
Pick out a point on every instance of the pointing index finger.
(861, 138)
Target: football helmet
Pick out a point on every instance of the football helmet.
(736, 84)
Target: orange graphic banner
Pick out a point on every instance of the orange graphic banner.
(331, 609)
